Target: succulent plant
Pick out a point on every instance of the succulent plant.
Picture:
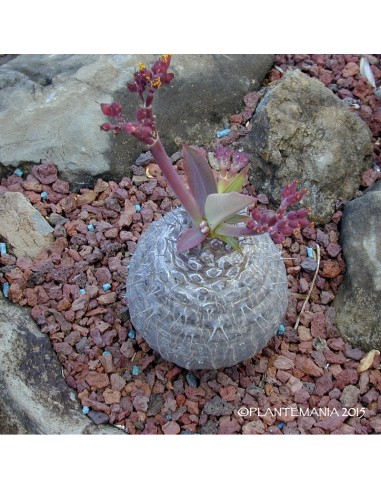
(209, 307)
(207, 287)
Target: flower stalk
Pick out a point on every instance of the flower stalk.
(216, 207)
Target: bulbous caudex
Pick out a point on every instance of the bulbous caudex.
(208, 307)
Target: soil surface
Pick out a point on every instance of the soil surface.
(306, 381)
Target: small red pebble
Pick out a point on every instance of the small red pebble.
(171, 428)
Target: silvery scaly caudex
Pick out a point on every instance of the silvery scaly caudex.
(214, 205)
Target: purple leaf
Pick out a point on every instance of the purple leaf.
(220, 206)
(190, 238)
(199, 175)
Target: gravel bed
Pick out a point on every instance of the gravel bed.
(76, 292)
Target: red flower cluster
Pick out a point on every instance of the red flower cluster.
(146, 83)
(280, 224)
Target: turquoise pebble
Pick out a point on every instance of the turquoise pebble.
(138, 207)
(310, 253)
(106, 286)
(132, 334)
(90, 227)
(136, 370)
(281, 330)
(106, 352)
(18, 172)
(3, 248)
(85, 410)
(44, 195)
(168, 417)
(82, 291)
(223, 133)
(6, 289)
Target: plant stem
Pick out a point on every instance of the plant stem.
(182, 192)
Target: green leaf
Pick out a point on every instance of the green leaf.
(226, 229)
(199, 175)
(233, 183)
(237, 218)
(236, 184)
(232, 241)
(219, 207)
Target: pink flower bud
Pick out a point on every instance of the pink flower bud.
(107, 127)
(114, 109)
(240, 160)
(132, 87)
(223, 156)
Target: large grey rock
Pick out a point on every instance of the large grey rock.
(359, 297)
(49, 107)
(34, 397)
(302, 131)
(22, 226)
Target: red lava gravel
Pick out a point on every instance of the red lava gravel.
(76, 291)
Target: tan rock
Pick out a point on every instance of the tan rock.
(117, 382)
(111, 396)
(22, 226)
(171, 428)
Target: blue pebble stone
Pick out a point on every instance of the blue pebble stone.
(186, 432)
(281, 330)
(82, 291)
(168, 417)
(6, 289)
(85, 410)
(136, 370)
(106, 286)
(90, 227)
(192, 380)
(132, 334)
(310, 253)
(138, 207)
(3, 248)
(44, 195)
(223, 133)
(18, 172)
(106, 352)
(281, 425)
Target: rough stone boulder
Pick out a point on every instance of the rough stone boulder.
(22, 226)
(358, 313)
(49, 107)
(34, 397)
(302, 131)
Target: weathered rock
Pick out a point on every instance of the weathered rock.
(156, 401)
(34, 397)
(254, 427)
(282, 362)
(358, 316)
(302, 131)
(22, 226)
(171, 428)
(209, 428)
(217, 406)
(49, 107)
(349, 396)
